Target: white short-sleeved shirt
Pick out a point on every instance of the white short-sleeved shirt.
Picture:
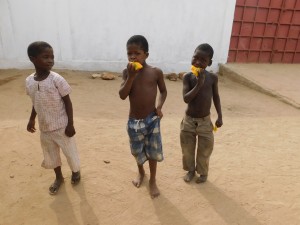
(46, 96)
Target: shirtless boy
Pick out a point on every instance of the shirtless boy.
(143, 125)
(198, 93)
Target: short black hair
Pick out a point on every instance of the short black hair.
(206, 48)
(139, 40)
(35, 48)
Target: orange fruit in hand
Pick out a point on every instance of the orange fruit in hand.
(195, 70)
(137, 66)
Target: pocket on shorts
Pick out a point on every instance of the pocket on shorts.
(187, 125)
(181, 124)
(211, 126)
(155, 117)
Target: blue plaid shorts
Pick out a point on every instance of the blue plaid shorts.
(145, 138)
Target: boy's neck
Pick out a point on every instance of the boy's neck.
(144, 64)
(41, 75)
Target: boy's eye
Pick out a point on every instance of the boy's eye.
(48, 56)
(133, 53)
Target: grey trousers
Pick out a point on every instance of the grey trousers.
(192, 129)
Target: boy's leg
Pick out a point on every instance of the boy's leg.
(154, 192)
(68, 147)
(188, 145)
(76, 176)
(53, 189)
(51, 151)
(140, 177)
(204, 151)
(136, 140)
(51, 159)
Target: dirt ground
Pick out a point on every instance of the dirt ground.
(254, 169)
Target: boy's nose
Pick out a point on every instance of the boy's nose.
(198, 63)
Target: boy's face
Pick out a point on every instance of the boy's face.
(136, 54)
(201, 59)
(44, 61)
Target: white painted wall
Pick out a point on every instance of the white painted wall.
(92, 34)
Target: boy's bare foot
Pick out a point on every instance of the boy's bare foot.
(53, 189)
(189, 176)
(138, 181)
(154, 192)
(201, 179)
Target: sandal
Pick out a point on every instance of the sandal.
(75, 178)
(53, 189)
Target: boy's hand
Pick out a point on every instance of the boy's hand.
(219, 122)
(132, 72)
(159, 112)
(70, 131)
(201, 77)
(31, 126)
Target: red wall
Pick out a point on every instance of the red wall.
(265, 31)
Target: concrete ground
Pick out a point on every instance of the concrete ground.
(281, 81)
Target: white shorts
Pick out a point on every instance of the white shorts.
(52, 142)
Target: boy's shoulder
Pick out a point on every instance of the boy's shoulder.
(56, 77)
(55, 74)
(214, 76)
(29, 77)
(154, 69)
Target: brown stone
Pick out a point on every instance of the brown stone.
(96, 75)
(180, 75)
(172, 76)
(108, 76)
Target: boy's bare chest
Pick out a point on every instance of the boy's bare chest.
(207, 85)
(145, 81)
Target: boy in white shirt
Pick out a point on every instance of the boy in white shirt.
(49, 93)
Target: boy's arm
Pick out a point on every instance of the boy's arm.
(217, 102)
(163, 93)
(188, 93)
(31, 123)
(70, 130)
(128, 78)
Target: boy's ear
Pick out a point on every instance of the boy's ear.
(210, 62)
(147, 54)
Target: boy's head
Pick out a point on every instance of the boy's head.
(140, 41)
(35, 48)
(137, 49)
(203, 55)
(41, 55)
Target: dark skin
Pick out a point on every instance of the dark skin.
(141, 87)
(198, 91)
(43, 63)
